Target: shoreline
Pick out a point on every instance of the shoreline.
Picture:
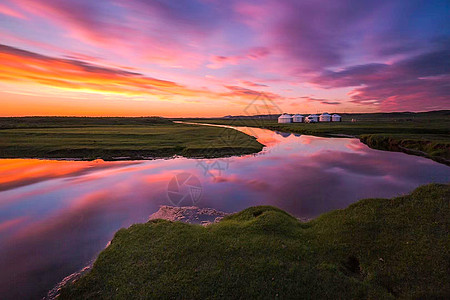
(377, 141)
(393, 142)
(89, 139)
(361, 251)
(199, 153)
(185, 214)
(127, 158)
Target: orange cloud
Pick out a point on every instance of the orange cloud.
(22, 66)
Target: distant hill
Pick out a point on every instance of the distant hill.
(443, 113)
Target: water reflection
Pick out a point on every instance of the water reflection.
(55, 216)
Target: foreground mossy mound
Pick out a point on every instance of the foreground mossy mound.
(374, 249)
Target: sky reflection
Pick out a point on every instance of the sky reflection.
(55, 216)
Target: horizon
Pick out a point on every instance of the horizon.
(220, 117)
(206, 58)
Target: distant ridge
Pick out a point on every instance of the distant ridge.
(275, 116)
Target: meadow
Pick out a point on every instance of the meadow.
(425, 134)
(117, 138)
(374, 249)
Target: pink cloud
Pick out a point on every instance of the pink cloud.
(321, 100)
(8, 224)
(8, 11)
(252, 84)
(104, 26)
(416, 83)
(256, 53)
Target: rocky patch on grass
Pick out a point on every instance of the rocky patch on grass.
(189, 214)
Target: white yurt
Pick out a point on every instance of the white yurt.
(336, 118)
(285, 118)
(312, 119)
(325, 117)
(297, 118)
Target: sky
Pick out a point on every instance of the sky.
(209, 58)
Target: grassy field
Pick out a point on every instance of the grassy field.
(374, 249)
(112, 138)
(426, 134)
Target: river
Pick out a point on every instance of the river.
(56, 216)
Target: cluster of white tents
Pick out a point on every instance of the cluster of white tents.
(325, 117)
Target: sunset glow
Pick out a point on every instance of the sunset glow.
(205, 58)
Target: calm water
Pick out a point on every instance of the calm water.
(56, 216)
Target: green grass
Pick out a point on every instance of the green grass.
(374, 249)
(45, 122)
(109, 138)
(426, 134)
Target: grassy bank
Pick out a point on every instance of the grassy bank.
(426, 134)
(110, 138)
(374, 249)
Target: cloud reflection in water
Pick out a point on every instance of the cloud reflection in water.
(55, 216)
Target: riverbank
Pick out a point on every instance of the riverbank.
(117, 139)
(375, 248)
(423, 134)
